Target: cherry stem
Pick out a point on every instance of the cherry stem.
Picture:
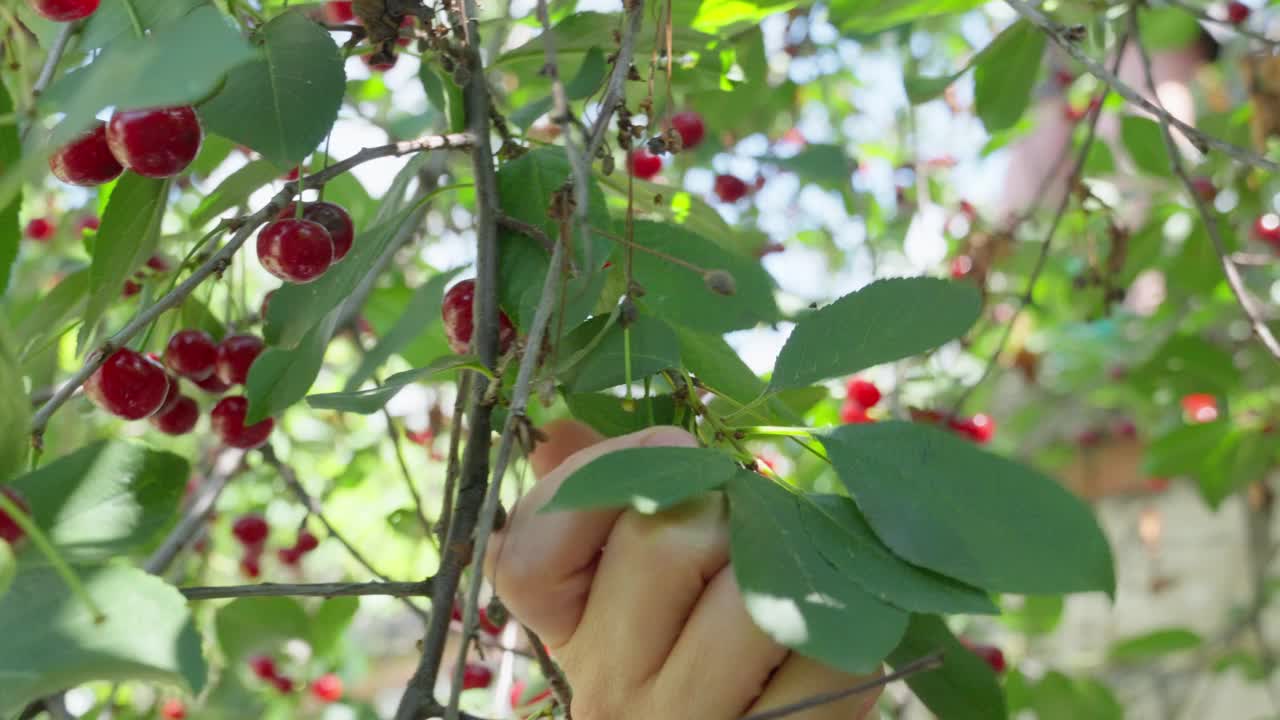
(46, 548)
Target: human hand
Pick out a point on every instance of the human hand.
(642, 611)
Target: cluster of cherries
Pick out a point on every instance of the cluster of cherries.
(155, 143)
(134, 386)
(476, 675)
(252, 530)
(861, 395)
(645, 165)
(299, 246)
(327, 688)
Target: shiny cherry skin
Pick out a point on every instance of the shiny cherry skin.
(298, 251)
(87, 160)
(157, 143)
(10, 532)
(178, 419)
(691, 128)
(128, 385)
(457, 312)
(332, 217)
(863, 392)
(643, 165)
(64, 10)
(236, 354)
(730, 189)
(191, 354)
(228, 424)
(213, 385)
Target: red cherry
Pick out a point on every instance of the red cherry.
(228, 423)
(1126, 429)
(1064, 78)
(1090, 438)
(518, 699)
(643, 165)
(88, 223)
(64, 10)
(283, 684)
(1238, 12)
(730, 189)
(179, 419)
(691, 128)
(236, 354)
(251, 530)
(980, 428)
(251, 566)
(130, 289)
(192, 354)
(10, 532)
(406, 22)
(306, 542)
(41, 229)
(961, 265)
(456, 613)
(1204, 188)
(128, 385)
(990, 654)
(263, 667)
(1158, 485)
(851, 413)
(332, 217)
(476, 676)
(863, 392)
(289, 556)
(383, 64)
(339, 13)
(173, 709)
(488, 625)
(1200, 407)
(159, 263)
(212, 385)
(968, 210)
(457, 312)
(291, 175)
(157, 143)
(1267, 229)
(87, 160)
(295, 250)
(327, 688)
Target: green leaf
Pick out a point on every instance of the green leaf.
(964, 688)
(112, 22)
(844, 538)
(15, 412)
(284, 103)
(792, 591)
(234, 190)
(106, 499)
(129, 235)
(941, 503)
(609, 416)
(1187, 449)
(1249, 458)
(679, 294)
(10, 159)
(677, 206)
(1004, 78)
(367, 402)
(249, 625)
(922, 88)
(329, 623)
(197, 315)
(1032, 614)
(63, 302)
(1156, 643)
(583, 84)
(51, 641)
(8, 567)
(886, 320)
(1058, 697)
(420, 314)
(869, 16)
(1144, 141)
(1187, 364)
(280, 377)
(826, 165)
(1168, 28)
(177, 64)
(717, 366)
(445, 96)
(654, 348)
(648, 479)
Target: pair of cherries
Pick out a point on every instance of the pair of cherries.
(155, 143)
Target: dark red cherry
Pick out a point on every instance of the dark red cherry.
(457, 312)
(730, 189)
(295, 250)
(128, 385)
(691, 128)
(10, 532)
(64, 10)
(306, 542)
(178, 419)
(228, 423)
(863, 392)
(327, 688)
(191, 354)
(263, 667)
(251, 530)
(289, 556)
(157, 143)
(1238, 12)
(339, 13)
(332, 217)
(476, 676)
(212, 385)
(236, 354)
(643, 165)
(87, 160)
(41, 229)
(380, 62)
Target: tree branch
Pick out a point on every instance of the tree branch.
(1077, 171)
(324, 590)
(220, 260)
(924, 664)
(616, 91)
(1201, 140)
(1246, 301)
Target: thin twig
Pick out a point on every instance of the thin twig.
(560, 687)
(312, 506)
(1202, 141)
(54, 57)
(1239, 29)
(1042, 259)
(220, 260)
(616, 91)
(324, 590)
(224, 466)
(915, 667)
(1246, 301)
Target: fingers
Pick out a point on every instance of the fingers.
(649, 578)
(722, 661)
(799, 679)
(542, 564)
